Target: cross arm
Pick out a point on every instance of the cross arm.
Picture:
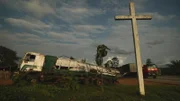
(138, 17)
(123, 17)
(143, 17)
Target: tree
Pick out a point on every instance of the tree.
(108, 64)
(149, 62)
(8, 57)
(175, 65)
(72, 58)
(101, 52)
(83, 60)
(115, 62)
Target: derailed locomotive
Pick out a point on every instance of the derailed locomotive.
(44, 68)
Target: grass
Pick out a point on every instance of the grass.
(40, 92)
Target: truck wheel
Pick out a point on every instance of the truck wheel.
(154, 76)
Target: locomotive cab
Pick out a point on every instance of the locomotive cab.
(32, 62)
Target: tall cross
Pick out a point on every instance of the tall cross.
(133, 19)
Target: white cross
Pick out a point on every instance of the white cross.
(133, 19)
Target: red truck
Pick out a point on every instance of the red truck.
(150, 71)
(131, 70)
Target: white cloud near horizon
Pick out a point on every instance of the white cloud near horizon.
(22, 23)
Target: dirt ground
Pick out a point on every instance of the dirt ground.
(134, 81)
(163, 80)
(5, 78)
(6, 82)
(167, 80)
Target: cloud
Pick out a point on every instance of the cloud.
(75, 28)
(70, 37)
(89, 28)
(20, 39)
(37, 8)
(26, 35)
(62, 36)
(156, 42)
(166, 60)
(159, 17)
(72, 14)
(121, 59)
(22, 23)
(81, 34)
(121, 6)
(75, 12)
(118, 51)
(6, 35)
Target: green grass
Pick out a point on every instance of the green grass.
(89, 93)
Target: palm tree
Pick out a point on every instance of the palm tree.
(175, 65)
(149, 62)
(101, 52)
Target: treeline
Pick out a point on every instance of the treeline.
(8, 59)
(173, 68)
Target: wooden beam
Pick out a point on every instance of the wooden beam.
(133, 19)
(143, 17)
(123, 17)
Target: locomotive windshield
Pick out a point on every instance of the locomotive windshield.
(30, 57)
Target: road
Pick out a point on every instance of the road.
(171, 80)
(160, 80)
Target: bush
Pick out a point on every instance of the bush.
(22, 79)
(167, 71)
(12, 94)
(69, 82)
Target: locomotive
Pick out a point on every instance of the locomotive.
(41, 67)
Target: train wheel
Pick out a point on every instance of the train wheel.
(99, 82)
(33, 81)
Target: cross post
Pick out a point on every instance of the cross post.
(133, 19)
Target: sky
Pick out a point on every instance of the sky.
(76, 27)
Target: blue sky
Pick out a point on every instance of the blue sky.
(76, 27)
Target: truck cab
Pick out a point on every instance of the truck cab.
(150, 71)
